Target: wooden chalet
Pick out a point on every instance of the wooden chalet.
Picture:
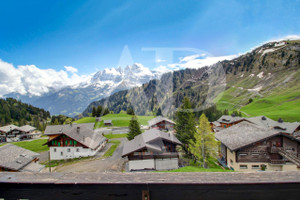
(153, 149)
(73, 141)
(108, 122)
(161, 123)
(251, 147)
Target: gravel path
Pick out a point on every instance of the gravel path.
(115, 163)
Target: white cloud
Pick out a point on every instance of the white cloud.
(160, 60)
(29, 79)
(197, 61)
(162, 69)
(71, 69)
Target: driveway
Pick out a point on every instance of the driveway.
(115, 163)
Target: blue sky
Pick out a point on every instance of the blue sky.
(90, 35)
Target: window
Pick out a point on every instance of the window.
(59, 144)
(52, 142)
(77, 150)
(255, 154)
(255, 167)
(243, 154)
(231, 161)
(224, 126)
(55, 142)
(54, 149)
(61, 153)
(69, 149)
(243, 166)
(70, 142)
(66, 142)
(75, 142)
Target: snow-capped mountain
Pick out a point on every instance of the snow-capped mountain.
(72, 100)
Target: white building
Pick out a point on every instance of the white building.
(73, 141)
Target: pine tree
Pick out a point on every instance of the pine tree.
(94, 112)
(56, 122)
(158, 112)
(185, 123)
(226, 112)
(134, 128)
(205, 144)
(130, 111)
(99, 111)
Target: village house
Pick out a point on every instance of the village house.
(264, 145)
(12, 133)
(73, 141)
(17, 159)
(161, 123)
(225, 121)
(108, 122)
(152, 150)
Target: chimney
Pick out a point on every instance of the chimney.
(78, 129)
(280, 120)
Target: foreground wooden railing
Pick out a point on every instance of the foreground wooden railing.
(214, 185)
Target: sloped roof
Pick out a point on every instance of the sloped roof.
(243, 134)
(85, 136)
(216, 123)
(151, 139)
(227, 119)
(158, 119)
(59, 129)
(26, 128)
(265, 122)
(8, 128)
(14, 157)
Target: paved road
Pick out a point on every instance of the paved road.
(115, 163)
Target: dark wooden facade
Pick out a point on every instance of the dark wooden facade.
(144, 153)
(266, 150)
(163, 125)
(63, 141)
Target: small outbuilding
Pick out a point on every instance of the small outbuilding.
(108, 122)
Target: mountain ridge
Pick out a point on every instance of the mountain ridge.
(269, 70)
(71, 100)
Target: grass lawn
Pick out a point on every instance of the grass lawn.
(112, 149)
(111, 136)
(119, 120)
(197, 169)
(54, 163)
(34, 145)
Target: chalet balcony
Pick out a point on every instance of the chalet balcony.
(277, 162)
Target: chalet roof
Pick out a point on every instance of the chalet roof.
(84, 135)
(216, 123)
(152, 139)
(107, 121)
(227, 119)
(265, 122)
(59, 129)
(243, 134)
(26, 128)
(158, 119)
(14, 157)
(8, 128)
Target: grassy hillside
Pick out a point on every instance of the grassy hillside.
(34, 145)
(120, 120)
